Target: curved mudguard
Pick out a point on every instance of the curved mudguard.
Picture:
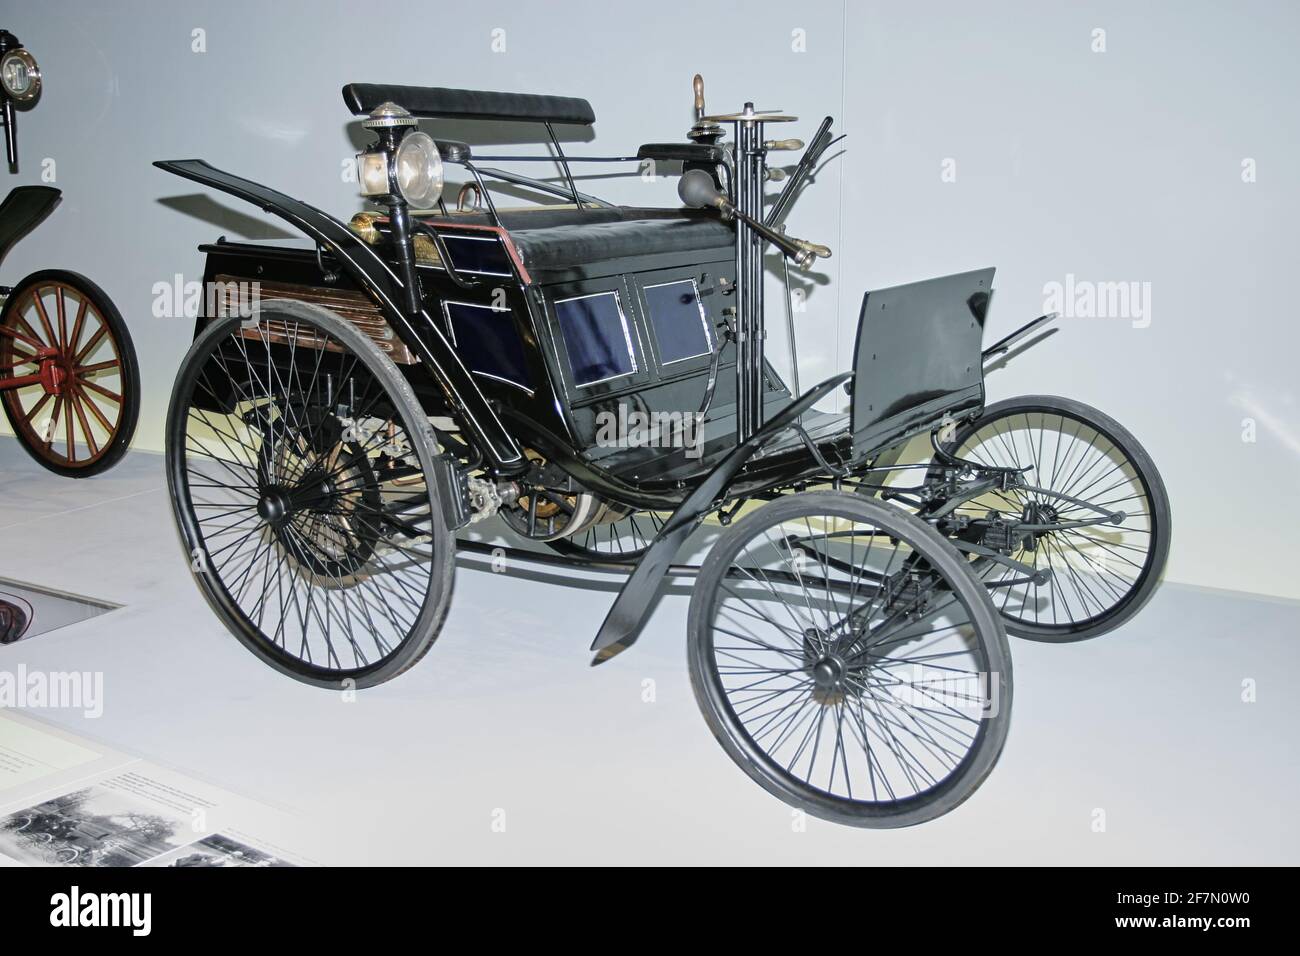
(22, 211)
(364, 265)
(623, 622)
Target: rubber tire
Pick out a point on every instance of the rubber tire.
(433, 612)
(1152, 482)
(920, 808)
(130, 371)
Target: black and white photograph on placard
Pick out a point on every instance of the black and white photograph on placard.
(95, 827)
(219, 851)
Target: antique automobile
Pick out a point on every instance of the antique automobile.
(594, 375)
(69, 382)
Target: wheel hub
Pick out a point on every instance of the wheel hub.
(273, 506)
(1037, 512)
(54, 374)
(327, 491)
(317, 491)
(830, 683)
(828, 672)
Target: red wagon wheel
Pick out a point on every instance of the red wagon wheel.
(68, 374)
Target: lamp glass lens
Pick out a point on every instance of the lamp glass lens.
(419, 170)
(372, 173)
(19, 75)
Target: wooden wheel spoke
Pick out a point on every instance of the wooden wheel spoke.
(32, 412)
(113, 396)
(91, 345)
(98, 367)
(35, 336)
(45, 319)
(77, 324)
(20, 337)
(85, 425)
(48, 437)
(20, 359)
(62, 312)
(95, 410)
(69, 435)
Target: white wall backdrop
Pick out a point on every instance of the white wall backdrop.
(1094, 143)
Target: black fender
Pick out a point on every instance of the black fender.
(369, 270)
(22, 211)
(623, 622)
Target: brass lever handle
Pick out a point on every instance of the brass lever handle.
(783, 144)
(698, 85)
(816, 248)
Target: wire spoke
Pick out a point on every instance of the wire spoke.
(1094, 568)
(313, 514)
(845, 659)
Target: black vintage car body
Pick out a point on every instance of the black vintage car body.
(595, 375)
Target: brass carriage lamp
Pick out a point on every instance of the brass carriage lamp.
(20, 76)
(402, 161)
(402, 169)
(20, 84)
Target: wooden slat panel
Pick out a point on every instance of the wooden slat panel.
(355, 307)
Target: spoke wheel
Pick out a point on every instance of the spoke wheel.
(1101, 574)
(301, 482)
(617, 536)
(76, 409)
(848, 661)
(334, 552)
(550, 507)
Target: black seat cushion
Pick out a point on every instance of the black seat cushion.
(532, 217)
(437, 101)
(565, 237)
(584, 241)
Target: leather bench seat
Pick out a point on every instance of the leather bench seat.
(577, 244)
(566, 237)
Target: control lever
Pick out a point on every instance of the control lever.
(704, 131)
(696, 190)
(811, 156)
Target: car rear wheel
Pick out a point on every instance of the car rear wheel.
(300, 468)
